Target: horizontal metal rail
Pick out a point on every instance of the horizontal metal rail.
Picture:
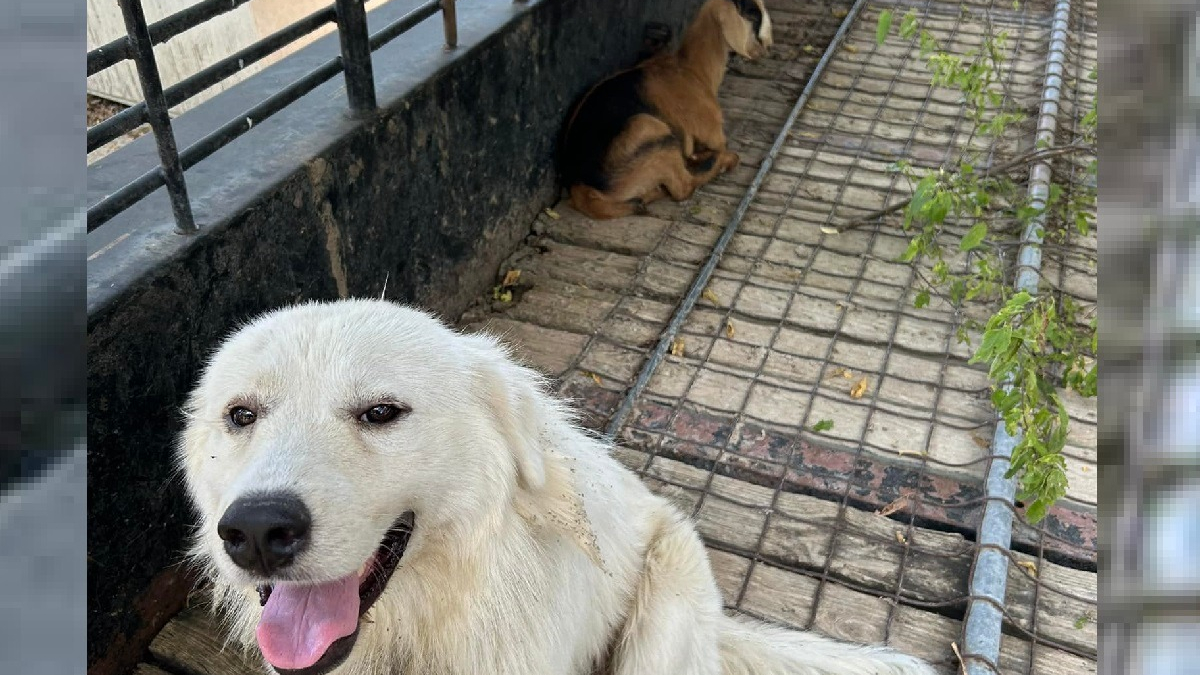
(354, 63)
(131, 118)
(161, 31)
(405, 23)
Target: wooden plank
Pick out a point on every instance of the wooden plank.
(194, 644)
(148, 669)
(788, 598)
(577, 265)
(632, 235)
(550, 351)
(868, 551)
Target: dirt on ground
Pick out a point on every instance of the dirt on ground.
(100, 109)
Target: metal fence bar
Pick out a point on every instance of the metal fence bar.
(150, 181)
(171, 168)
(134, 116)
(989, 575)
(355, 61)
(450, 23)
(160, 31)
(702, 277)
(356, 54)
(404, 24)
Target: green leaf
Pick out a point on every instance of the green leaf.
(939, 207)
(958, 290)
(908, 25)
(974, 237)
(921, 300)
(884, 27)
(914, 247)
(923, 193)
(1037, 511)
(823, 425)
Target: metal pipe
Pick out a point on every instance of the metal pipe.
(171, 168)
(404, 23)
(710, 265)
(450, 23)
(160, 31)
(356, 54)
(110, 206)
(129, 118)
(989, 576)
(113, 204)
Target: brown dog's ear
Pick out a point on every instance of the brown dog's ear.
(515, 401)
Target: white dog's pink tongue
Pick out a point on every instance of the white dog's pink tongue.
(300, 622)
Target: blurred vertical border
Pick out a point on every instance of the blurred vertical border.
(43, 480)
(1149, 174)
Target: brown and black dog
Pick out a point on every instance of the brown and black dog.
(657, 130)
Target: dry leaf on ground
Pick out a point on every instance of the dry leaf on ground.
(895, 506)
(859, 388)
(677, 347)
(511, 278)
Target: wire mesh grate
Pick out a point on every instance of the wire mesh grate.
(864, 528)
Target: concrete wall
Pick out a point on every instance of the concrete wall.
(432, 193)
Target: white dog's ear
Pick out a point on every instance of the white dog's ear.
(515, 402)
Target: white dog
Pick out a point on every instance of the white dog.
(380, 495)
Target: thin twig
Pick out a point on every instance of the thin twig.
(1027, 158)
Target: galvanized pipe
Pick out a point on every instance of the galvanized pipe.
(989, 577)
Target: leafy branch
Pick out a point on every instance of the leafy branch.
(1036, 344)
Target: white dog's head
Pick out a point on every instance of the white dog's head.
(319, 435)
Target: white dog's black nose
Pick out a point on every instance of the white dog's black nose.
(265, 533)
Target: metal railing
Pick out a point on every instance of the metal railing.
(137, 45)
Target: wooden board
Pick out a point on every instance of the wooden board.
(864, 550)
(194, 644)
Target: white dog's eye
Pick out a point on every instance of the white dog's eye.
(242, 417)
(382, 413)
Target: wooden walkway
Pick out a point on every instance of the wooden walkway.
(862, 530)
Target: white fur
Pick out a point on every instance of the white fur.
(534, 553)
